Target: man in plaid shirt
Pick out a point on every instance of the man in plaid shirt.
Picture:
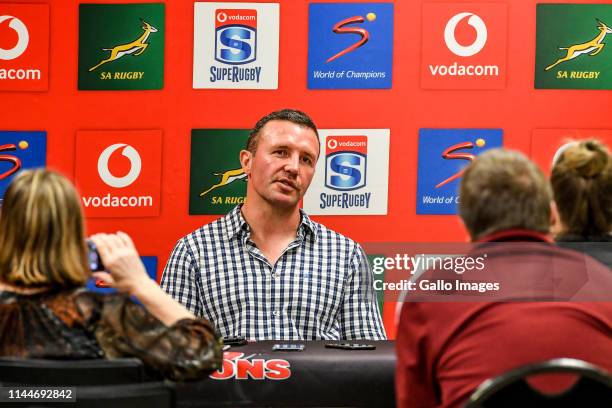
(266, 270)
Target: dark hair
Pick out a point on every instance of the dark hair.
(503, 189)
(290, 115)
(582, 185)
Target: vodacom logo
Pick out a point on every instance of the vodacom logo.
(332, 143)
(22, 41)
(135, 166)
(476, 46)
(221, 17)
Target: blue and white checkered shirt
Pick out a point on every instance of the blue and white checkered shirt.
(320, 287)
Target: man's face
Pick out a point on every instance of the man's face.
(281, 169)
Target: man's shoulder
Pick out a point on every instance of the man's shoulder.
(328, 236)
(214, 231)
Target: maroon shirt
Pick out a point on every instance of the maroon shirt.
(445, 350)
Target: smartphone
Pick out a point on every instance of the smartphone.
(235, 340)
(93, 257)
(350, 346)
(288, 347)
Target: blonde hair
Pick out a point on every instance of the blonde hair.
(42, 237)
(582, 185)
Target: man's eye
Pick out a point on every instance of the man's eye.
(307, 160)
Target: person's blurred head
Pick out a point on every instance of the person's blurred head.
(582, 184)
(503, 189)
(42, 239)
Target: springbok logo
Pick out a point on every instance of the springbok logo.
(135, 166)
(22, 41)
(463, 50)
(136, 47)
(227, 177)
(592, 47)
(340, 28)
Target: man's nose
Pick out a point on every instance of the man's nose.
(293, 164)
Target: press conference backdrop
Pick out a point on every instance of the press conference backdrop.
(146, 105)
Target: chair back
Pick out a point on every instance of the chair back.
(71, 372)
(592, 389)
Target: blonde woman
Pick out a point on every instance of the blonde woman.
(46, 313)
(582, 185)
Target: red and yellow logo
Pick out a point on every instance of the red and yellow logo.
(237, 366)
(464, 46)
(24, 47)
(119, 172)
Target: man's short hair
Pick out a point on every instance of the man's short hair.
(290, 115)
(503, 189)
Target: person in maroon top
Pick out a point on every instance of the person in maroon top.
(445, 350)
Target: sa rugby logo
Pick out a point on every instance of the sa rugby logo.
(238, 367)
(571, 46)
(217, 182)
(136, 47)
(121, 46)
(227, 177)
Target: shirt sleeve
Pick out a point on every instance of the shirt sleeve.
(414, 386)
(180, 278)
(360, 316)
(189, 349)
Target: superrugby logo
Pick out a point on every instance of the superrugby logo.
(364, 35)
(236, 36)
(238, 367)
(345, 170)
(591, 47)
(23, 38)
(481, 35)
(130, 177)
(449, 154)
(345, 162)
(136, 47)
(227, 177)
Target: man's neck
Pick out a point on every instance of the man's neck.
(266, 221)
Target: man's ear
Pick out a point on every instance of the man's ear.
(246, 159)
(556, 226)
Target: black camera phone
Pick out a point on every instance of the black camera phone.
(235, 340)
(93, 257)
(350, 346)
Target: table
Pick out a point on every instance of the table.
(254, 375)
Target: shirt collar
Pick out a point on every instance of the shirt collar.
(516, 234)
(235, 223)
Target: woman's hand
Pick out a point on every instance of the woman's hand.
(126, 273)
(124, 269)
